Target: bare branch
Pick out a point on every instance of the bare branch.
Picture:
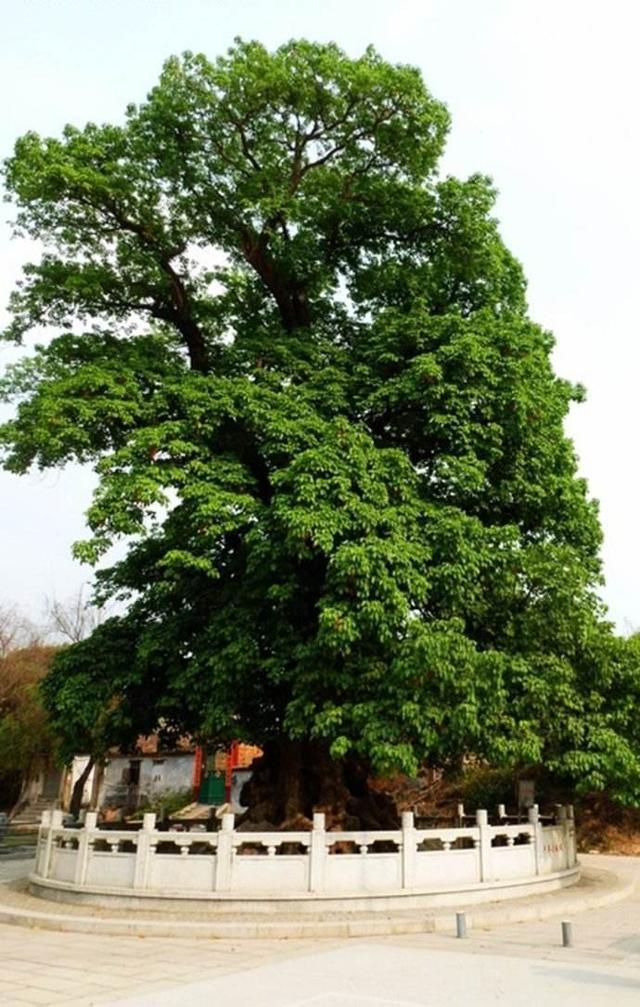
(16, 631)
(75, 618)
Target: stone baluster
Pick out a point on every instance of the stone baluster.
(538, 839)
(43, 831)
(55, 823)
(571, 837)
(317, 853)
(145, 846)
(84, 844)
(482, 822)
(563, 824)
(224, 855)
(409, 846)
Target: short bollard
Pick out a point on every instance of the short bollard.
(567, 934)
(461, 925)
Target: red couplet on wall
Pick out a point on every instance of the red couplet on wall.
(198, 766)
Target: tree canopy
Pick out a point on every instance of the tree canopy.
(301, 363)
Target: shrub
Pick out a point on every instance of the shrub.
(167, 802)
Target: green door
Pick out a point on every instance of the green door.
(212, 789)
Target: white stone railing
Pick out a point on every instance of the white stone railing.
(288, 863)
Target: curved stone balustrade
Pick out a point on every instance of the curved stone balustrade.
(229, 864)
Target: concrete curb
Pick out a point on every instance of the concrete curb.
(597, 888)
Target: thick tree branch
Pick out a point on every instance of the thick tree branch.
(179, 311)
(288, 293)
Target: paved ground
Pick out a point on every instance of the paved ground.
(12, 867)
(516, 964)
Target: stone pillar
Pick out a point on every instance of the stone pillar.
(56, 823)
(84, 845)
(45, 825)
(538, 851)
(409, 843)
(144, 850)
(224, 855)
(571, 836)
(317, 853)
(482, 822)
(562, 823)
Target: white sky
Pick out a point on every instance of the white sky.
(544, 97)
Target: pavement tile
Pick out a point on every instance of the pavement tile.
(12, 975)
(68, 986)
(33, 995)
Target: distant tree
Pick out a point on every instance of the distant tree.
(73, 619)
(302, 365)
(15, 630)
(27, 742)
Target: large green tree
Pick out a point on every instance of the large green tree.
(301, 363)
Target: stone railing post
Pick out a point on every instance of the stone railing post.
(143, 850)
(409, 844)
(84, 841)
(562, 823)
(43, 829)
(538, 851)
(55, 822)
(571, 837)
(224, 855)
(317, 853)
(482, 822)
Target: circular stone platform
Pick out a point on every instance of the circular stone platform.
(18, 906)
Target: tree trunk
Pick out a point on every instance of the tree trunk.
(295, 778)
(78, 787)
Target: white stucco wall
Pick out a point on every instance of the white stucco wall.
(158, 775)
